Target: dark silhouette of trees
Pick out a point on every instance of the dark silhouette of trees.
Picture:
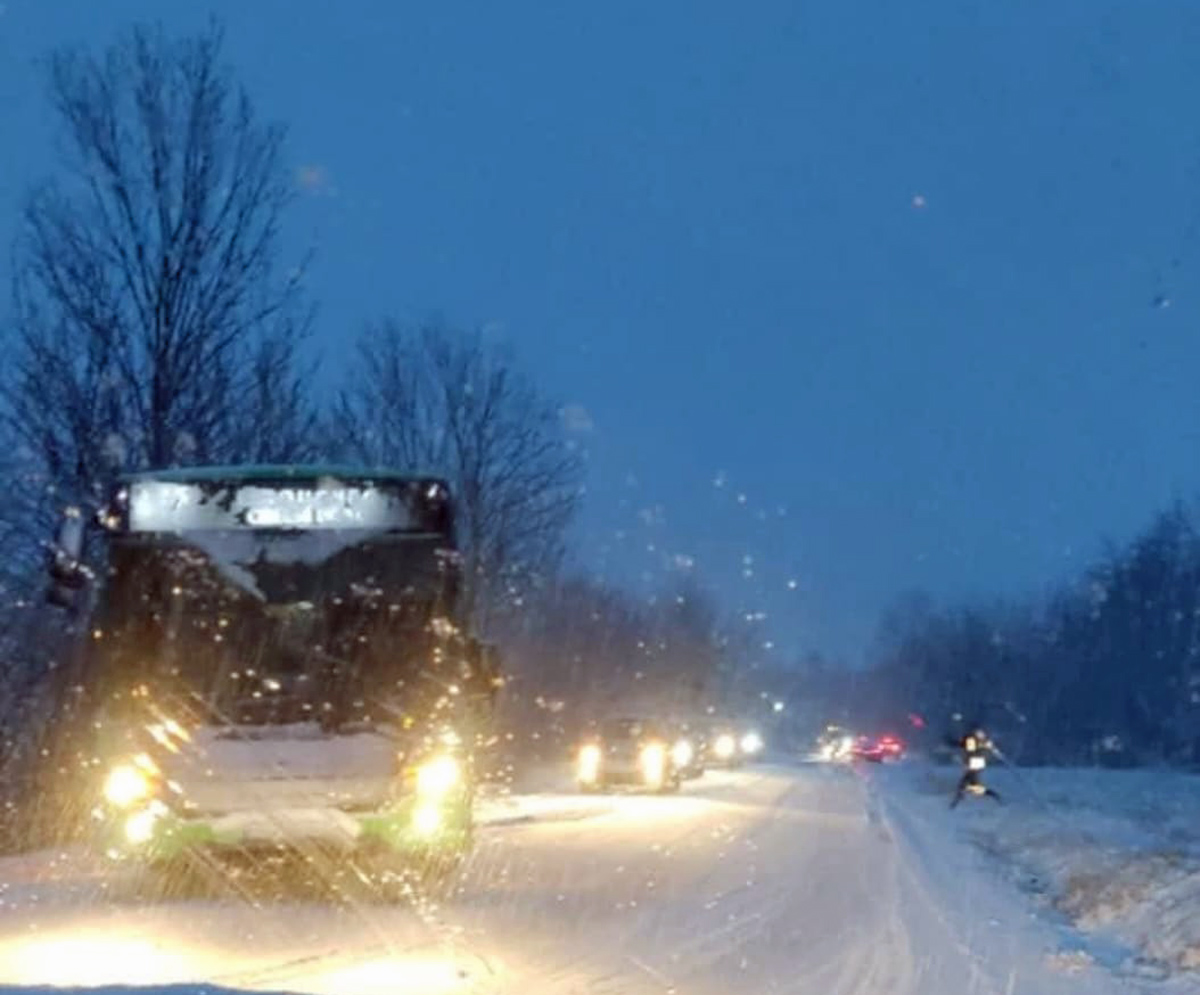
(151, 323)
(445, 402)
(1106, 670)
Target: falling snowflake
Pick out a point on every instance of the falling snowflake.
(115, 450)
(576, 418)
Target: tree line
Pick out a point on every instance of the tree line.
(1104, 670)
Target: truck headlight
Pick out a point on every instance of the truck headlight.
(437, 777)
(751, 743)
(725, 746)
(588, 767)
(139, 827)
(427, 819)
(126, 785)
(653, 762)
(682, 753)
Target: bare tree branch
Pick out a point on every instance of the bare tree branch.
(434, 399)
(151, 326)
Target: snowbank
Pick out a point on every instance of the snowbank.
(1117, 852)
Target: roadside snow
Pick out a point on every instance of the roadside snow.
(1116, 852)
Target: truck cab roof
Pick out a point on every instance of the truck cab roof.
(267, 473)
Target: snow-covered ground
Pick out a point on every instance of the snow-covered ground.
(1116, 852)
(768, 880)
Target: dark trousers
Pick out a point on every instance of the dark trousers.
(970, 780)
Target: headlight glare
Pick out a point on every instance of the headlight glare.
(437, 777)
(653, 761)
(725, 746)
(139, 827)
(751, 742)
(427, 819)
(125, 785)
(589, 763)
(682, 753)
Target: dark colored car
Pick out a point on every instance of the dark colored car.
(630, 751)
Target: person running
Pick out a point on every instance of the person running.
(975, 747)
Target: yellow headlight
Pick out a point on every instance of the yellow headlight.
(653, 761)
(139, 827)
(438, 776)
(427, 819)
(725, 746)
(589, 763)
(682, 753)
(126, 785)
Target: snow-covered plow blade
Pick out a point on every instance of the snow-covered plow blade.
(247, 790)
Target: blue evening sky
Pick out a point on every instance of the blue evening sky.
(845, 297)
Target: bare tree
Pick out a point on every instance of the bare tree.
(151, 326)
(436, 400)
(275, 421)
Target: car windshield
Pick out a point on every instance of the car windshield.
(627, 729)
(664, 497)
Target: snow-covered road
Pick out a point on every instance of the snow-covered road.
(805, 879)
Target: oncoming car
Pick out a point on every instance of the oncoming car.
(835, 745)
(750, 744)
(687, 751)
(730, 744)
(633, 752)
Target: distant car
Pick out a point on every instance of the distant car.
(724, 749)
(835, 745)
(751, 744)
(878, 750)
(630, 751)
(688, 750)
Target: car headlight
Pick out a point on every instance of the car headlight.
(682, 753)
(751, 742)
(589, 763)
(725, 746)
(653, 761)
(437, 777)
(125, 786)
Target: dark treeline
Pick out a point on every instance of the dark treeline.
(1105, 670)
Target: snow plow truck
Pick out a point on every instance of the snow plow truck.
(272, 661)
